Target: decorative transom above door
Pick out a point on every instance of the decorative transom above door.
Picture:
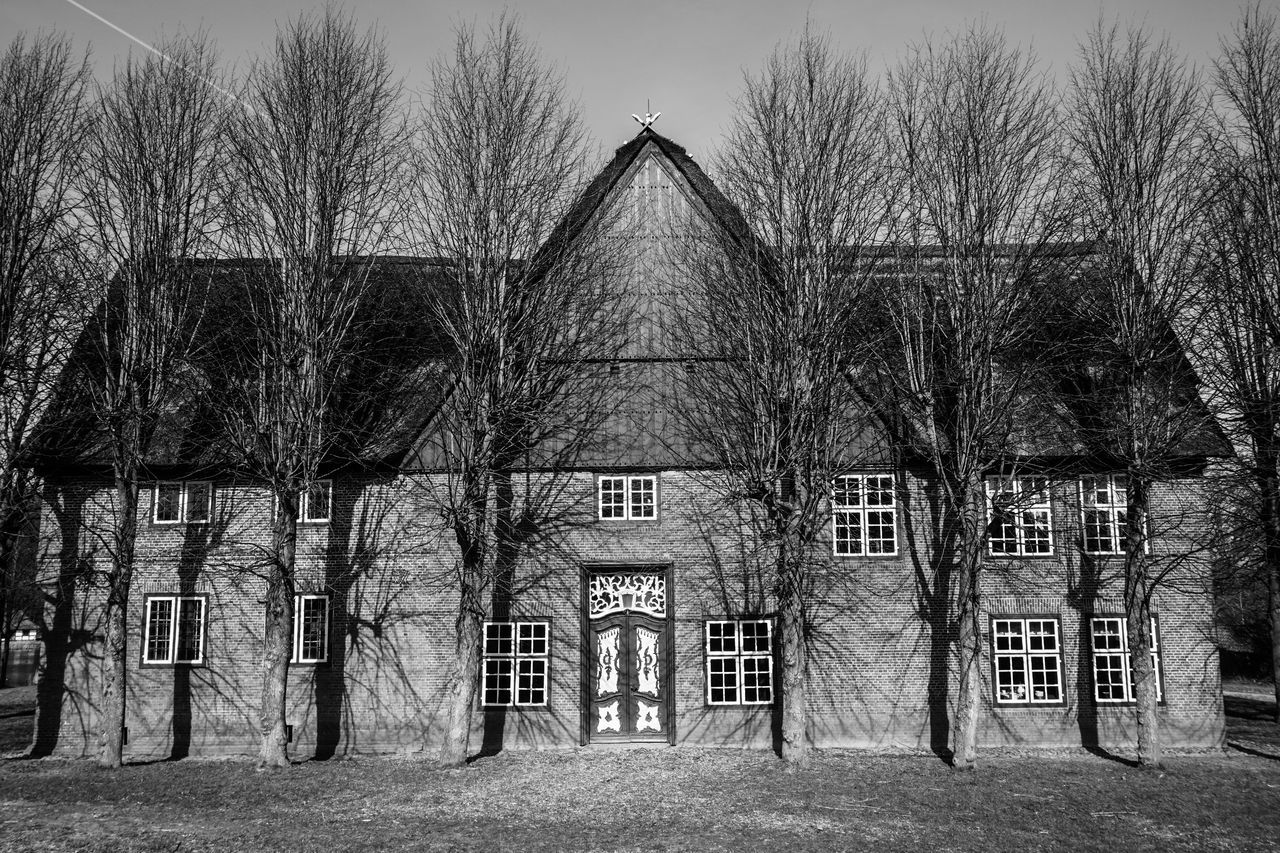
(642, 593)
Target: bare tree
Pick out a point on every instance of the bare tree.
(770, 313)
(316, 160)
(976, 156)
(525, 311)
(42, 122)
(1137, 119)
(1240, 344)
(149, 202)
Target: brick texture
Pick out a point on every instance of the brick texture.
(880, 674)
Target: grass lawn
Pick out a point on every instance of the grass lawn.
(663, 799)
(17, 716)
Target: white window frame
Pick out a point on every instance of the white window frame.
(1021, 485)
(298, 623)
(184, 488)
(529, 654)
(1119, 658)
(631, 486)
(176, 603)
(1029, 661)
(1114, 509)
(847, 516)
(304, 504)
(743, 662)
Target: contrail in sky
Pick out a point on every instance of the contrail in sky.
(158, 53)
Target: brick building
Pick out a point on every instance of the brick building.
(646, 619)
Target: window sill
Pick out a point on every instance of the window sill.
(1004, 556)
(1029, 706)
(894, 556)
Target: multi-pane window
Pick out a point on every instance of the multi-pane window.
(174, 629)
(1104, 513)
(311, 628)
(1027, 656)
(864, 515)
(515, 663)
(628, 498)
(316, 501)
(189, 502)
(1020, 516)
(739, 662)
(1113, 663)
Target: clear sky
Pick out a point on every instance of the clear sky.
(686, 57)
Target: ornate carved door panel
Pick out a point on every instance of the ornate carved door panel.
(627, 677)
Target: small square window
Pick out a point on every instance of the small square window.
(173, 632)
(628, 498)
(739, 655)
(497, 638)
(516, 663)
(532, 639)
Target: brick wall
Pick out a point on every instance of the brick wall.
(880, 676)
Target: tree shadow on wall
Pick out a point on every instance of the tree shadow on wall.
(740, 558)
(932, 563)
(63, 622)
(369, 544)
(535, 519)
(198, 542)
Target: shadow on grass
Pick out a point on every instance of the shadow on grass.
(1102, 752)
(1251, 721)
(1251, 751)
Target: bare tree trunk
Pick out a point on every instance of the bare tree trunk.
(1137, 605)
(460, 689)
(8, 583)
(1273, 611)
(794, 658)
(115, 686)
(1267, 474)
(964, 735)
(278, 643)
(4, 657)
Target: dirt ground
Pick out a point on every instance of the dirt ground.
(651, 800)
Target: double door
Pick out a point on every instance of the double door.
(629, 695)
(628, 661)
